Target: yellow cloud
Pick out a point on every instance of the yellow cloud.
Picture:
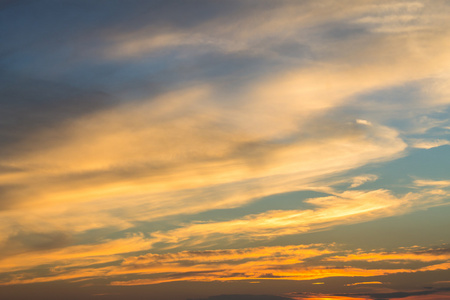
(195, 149)
(72, 263)
(345, 208)
(438, 183)
(80, 255)
(210, 256)
(265, 274)
(392, 257)
(364, 283)
(360, 180)
(144, 159)
(249, 264)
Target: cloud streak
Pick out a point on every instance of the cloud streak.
(347, 208)
(128, 135)
(298, 263)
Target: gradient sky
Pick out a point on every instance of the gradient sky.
(225, 150)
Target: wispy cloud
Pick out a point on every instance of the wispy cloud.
(436, 183)
(416, 294)
(428, 144)
(360, 180)
(161, 144)
(417, 255)
(347, 208)
(364, 283)
(298, 263)
(81, 255)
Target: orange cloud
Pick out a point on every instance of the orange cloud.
(327, 297)
(291, 254)
(364, 283)
(398, 256)
(345, 208)
(81, 255)
(249, 264)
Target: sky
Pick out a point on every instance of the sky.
(225, 150)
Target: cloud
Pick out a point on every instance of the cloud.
(437, 183)
(79, 255)
(96, 160)
(428, 144)
(253, 25)
(30, 105)
(395, 17)
(298, 263)
(321, 296)
(290, 271)
(364, 283)
(207, 265)
(228, 255)
(189, 130)
(440, 294)
(347, 208)
(243, 297)
(420, 294)
(297, 274)
(411, 254)
(162, 143)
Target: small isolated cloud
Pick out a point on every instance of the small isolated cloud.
(363, 122)
(364, 283)
(360, 180)
(79, 255)
(295, 263)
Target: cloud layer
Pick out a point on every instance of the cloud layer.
(145, 139)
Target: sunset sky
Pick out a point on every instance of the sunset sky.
(224, 150)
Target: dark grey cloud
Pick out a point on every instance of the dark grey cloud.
(386, 296)
(398, 295)
(436, 251)
(36, 241)
(29, 105)
(29, 26)
(9, 194)
(68, 39)
(243, 297)
(6, 3)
